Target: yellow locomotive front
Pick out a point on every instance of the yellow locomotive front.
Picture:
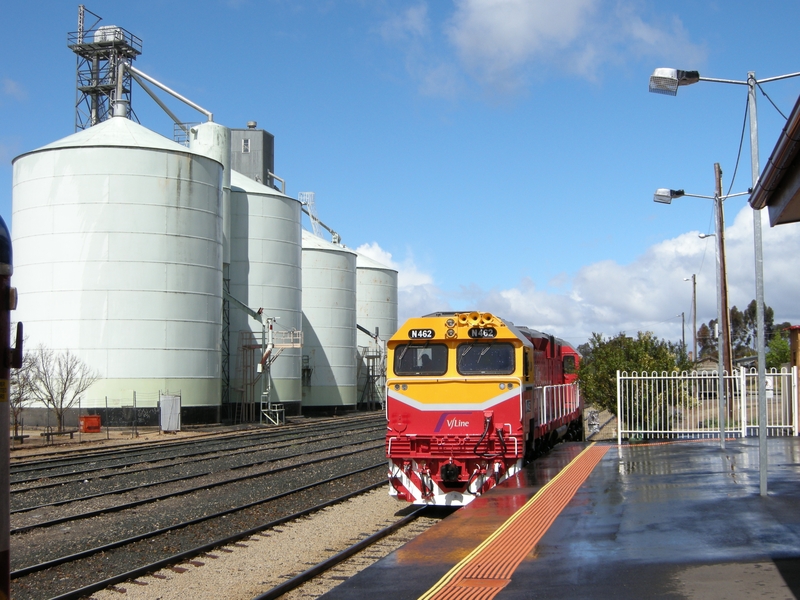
(458, 406)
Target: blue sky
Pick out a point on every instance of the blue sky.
(501, 154)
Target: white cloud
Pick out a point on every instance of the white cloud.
(411, 31)
(14, 90)
(412, 23)
(494, 38)
(501, 42)
(646, 295)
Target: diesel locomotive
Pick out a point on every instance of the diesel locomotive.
(470, 398)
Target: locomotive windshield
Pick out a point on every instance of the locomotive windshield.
(482, 358)
(420, 359)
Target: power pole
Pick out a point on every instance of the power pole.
(725, 325)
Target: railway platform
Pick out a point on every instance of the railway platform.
(672, 520)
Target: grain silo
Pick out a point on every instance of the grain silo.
(265, 274)
(117, 234)
(329, 324)
(376, 294)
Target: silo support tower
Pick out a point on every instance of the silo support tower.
(272, 344)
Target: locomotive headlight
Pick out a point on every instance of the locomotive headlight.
(405, 387)
(503, 386)
(396, 386)
(510, 386)
(451, 333)
(450, 323)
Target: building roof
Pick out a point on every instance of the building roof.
(778, 188)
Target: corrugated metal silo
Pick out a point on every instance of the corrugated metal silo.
(329, 324)
(265, 273)
(376, 311)
(117, 233)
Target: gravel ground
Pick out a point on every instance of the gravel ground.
(607, 422)
(243, 571)
(58, 580)
(203, 471)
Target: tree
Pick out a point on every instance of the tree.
(59, 380)
(744, 327)
(22, 387)
(706, 341)
(781, 330)
(779, 352)
(602, 358)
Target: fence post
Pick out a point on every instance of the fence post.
(795, 404)
(743, 401)
(619, 414)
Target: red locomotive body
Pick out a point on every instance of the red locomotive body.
(469, 399)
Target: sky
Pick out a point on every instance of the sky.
(502, 155)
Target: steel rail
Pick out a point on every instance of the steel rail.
(68, 456)
(31, 467)
(326, 565)
(207, 486)
(120, 543)
(190, 458)
(183, 478)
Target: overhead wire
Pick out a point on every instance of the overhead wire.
(741, 143)
(785, 118)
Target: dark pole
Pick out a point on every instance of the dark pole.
(8, 359)
(723, 278)
(683, 332)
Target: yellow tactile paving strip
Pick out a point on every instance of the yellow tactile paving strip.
(487, 570)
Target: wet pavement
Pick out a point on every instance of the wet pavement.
(674, 520)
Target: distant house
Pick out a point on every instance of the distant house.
(707, 364)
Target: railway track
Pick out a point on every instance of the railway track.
(81, 460)
(110, 482)
(322, 576)
(51, 555)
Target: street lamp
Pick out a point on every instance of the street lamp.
(665, 196)
(667, 81)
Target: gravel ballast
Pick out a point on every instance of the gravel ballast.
(245, 570)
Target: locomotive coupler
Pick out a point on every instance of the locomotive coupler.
(451, 473)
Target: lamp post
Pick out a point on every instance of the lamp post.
(666, 81)
(694, 315)
(665, 196)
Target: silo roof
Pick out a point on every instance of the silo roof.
(312, 242)
(243, 183)
(116, 132)
(365, 262)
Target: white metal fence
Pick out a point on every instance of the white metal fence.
(686, 405)
(556, 401)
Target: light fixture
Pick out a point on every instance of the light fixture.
(666, 81)
(665, 195)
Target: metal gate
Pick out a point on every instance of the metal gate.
(686, 405)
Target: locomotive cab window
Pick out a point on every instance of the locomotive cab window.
(420, 359)
(482, 358)
(569, 364)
